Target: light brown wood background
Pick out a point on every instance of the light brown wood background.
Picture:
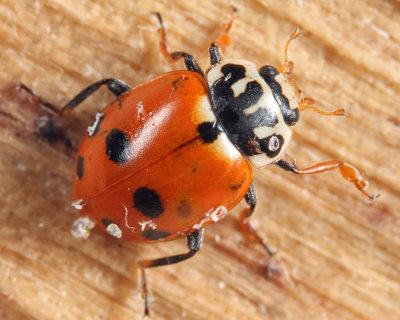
(338, 255)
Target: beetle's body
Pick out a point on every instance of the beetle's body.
(146, 170)
(169, 157)
(175, 154)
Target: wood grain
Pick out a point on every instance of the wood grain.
(338, 255)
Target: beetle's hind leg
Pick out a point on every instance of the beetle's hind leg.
(194, 243)
(245, 215)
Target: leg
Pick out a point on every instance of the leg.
(218, 47)
(116, 86)
(189, 60)
(251, 199)
(348, 172)
(287, 65)
(194, 242)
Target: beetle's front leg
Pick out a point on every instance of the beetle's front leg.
(166, 51)
(348, 172)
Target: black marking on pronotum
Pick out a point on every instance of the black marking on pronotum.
(155, 234)
(271, 145)
(268, 73)
(230, 109)
(148, 202)
(80, 167)
(252, 147)
(233, 73)
(117, 146)
(209, 131)
(106, 222)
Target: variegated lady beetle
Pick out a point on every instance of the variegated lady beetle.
(175, 154)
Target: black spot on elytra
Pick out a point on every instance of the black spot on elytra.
(79, 167)
(209, 131)
(268, 73)
(230, 109)
(106, 222)
(155, 234)
(117, 146)
(148, 202)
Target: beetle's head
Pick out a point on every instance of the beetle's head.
(255, 107)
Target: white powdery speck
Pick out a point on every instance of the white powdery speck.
(92, 128)
(78, 204)
(114, 230)
(140, 109)
(149, 223)
(126, 218)
(214, 215)
(81, 227)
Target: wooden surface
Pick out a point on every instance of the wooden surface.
(338, 255)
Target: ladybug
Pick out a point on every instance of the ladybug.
(176, 153)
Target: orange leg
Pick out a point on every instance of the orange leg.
(251, 199)
(164, 46)
(348, 172)
(218, 48)
(224, 41)
(287, 65)
(165, 49)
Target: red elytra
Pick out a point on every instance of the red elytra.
(146, 170)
